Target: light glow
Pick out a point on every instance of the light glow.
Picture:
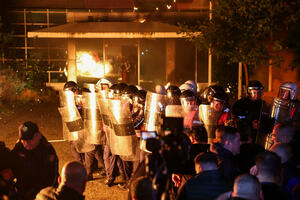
(88, 66)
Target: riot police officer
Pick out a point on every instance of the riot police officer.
(73, 87)
(252, 109)
(173, 95)
(190, 109)
(112, 161)
(285, 108)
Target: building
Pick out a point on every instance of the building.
(134, 41)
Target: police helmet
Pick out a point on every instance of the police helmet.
(213, 92)
(255, 85)
(194, 84)
(173, 91)
(71, 86)
(186, 86)
(129, 91)
(291, 87)
(140, 96)
(104, 82)
(188, 95)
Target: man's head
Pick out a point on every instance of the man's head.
(74, 176)
(284, 151)
(247, 187)
(268, 167)
(198, 134)
(282, 133)
(141, 189)
(230, 140)
(255, 90)
(206, 162)
(29, 135)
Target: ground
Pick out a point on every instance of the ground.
(48, 119)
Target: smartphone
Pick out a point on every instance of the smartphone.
(148, 134)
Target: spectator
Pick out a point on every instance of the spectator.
(141, 189)
(72, 184)
(290, 171)
(269, 174)
(247, 187)
(198, 138)
(227, 151)
(208, 183)
(7, 166)
(37, 163)
(248, 149)
(282, 133)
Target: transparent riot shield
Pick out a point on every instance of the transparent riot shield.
(174, 111)
(92, 119)
(154, 106)
(73, 126)
(72, 121)
(104, 111)
(281, 110)
(210, 119)
(123, 140)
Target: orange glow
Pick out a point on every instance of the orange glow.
(71, 110)
(88, 66)
(151, 124)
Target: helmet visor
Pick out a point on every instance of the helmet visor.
(284, 93)
(255, 94)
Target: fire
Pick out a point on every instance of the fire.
(89, 66)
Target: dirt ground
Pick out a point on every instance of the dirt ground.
(48, 119)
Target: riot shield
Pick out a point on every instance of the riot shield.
(281, 110)
(174, 111)
(123, 140)
(154, 106)
(210, 119)
(104, 111)
(72, 122)
(92, 119)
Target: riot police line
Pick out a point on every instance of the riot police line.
(106, 113)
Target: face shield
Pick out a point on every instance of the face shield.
(284, 93)
(188, 104)
(255, 94)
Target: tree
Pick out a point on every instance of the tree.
(247, 31)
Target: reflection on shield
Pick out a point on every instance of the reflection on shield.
(92, 119)
(155, 105)
(72, 122)
(210, 119)
(123, 140)
(104, 111)
(174, 111)
(281, 110)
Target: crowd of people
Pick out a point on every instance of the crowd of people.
(213, 150)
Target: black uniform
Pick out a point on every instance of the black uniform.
(249, 110)
(36, 169)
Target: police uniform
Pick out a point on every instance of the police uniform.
(36, 168)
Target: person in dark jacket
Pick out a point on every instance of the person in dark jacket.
(37, 162)
(227, 150)
(72, 184)
(269, 168)
(208, 183)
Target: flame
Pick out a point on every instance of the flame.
(87, 65)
